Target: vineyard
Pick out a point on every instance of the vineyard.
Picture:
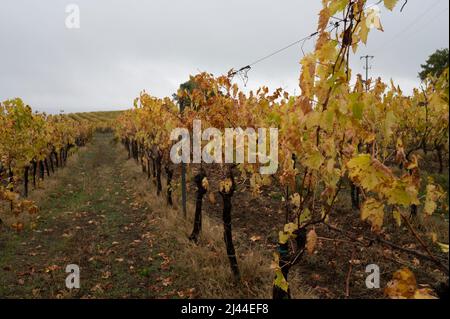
(362, 180)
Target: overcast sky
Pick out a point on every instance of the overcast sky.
(125, 46)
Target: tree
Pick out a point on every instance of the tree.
(435, 65)
(189, 87)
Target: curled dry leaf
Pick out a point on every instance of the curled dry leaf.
(311, 241)
(52, 268)
(205, 184)
(255, 238)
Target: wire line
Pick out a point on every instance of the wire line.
(283, 49)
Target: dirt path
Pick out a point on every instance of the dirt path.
(90, 218)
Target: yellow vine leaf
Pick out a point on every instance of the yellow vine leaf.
(280, 281)
(390, 4)
(433, 195)
(373, 19)
(402, 193)
(283, 237)
(307, 77)
(327, 52)
(364, 30)
(434, 237)
(205, 183)
(11, 196)
(373, 211)
(390, 122)
(226, 185)
(425, 293)
(315, 160)
(372, 175)
(305, 216)
(402, 286)
(444, 247)
(324, 18)
(296, 200)
(337, 6)
(397, 217)
(414, 163)
(290, 228)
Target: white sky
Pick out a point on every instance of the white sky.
(125, 46)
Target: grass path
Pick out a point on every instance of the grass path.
(89, 217)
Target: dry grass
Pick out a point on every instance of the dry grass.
(205, 266)
(437, 225)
